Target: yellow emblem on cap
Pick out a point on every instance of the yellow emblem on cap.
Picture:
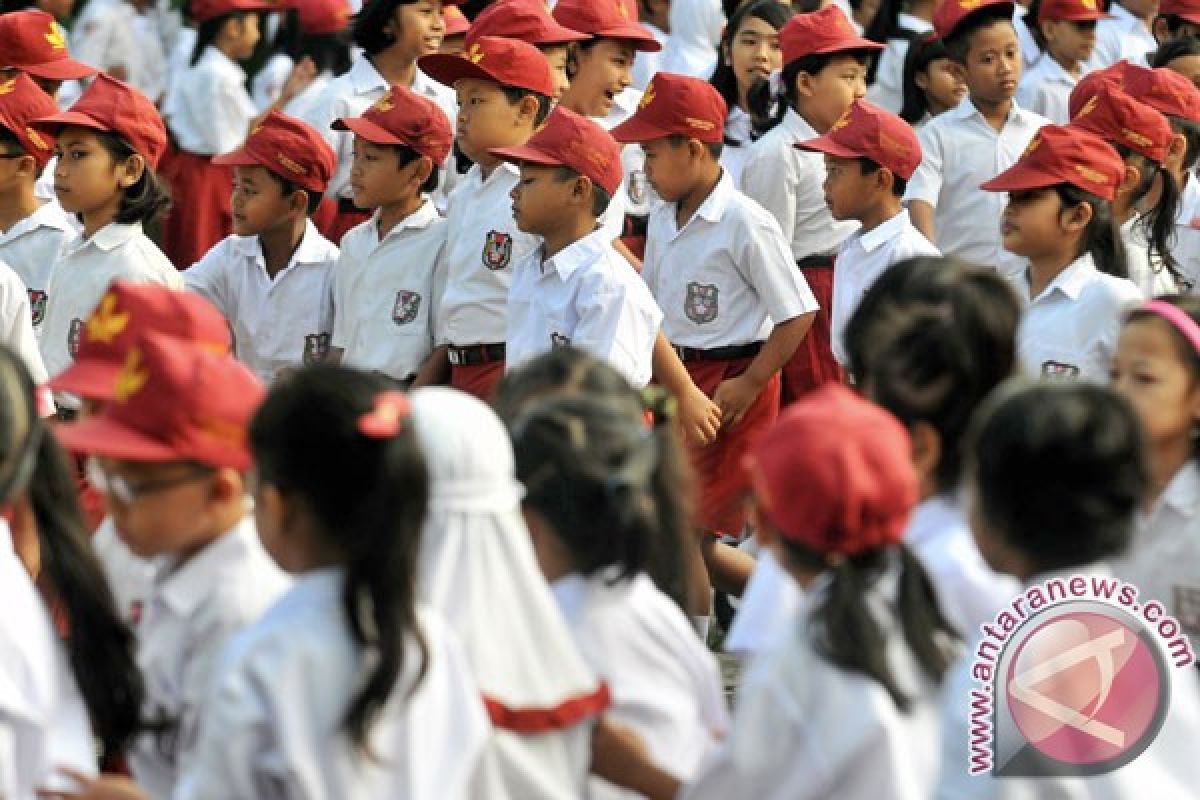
(37, 139)
(291, 165)
(700, 124)
(132, 378)
(842, 121)
(9, 86)
(55, 37)
(969, 5)
(1089, 106)
(647, 96)
(1090, 5)
(106, 323)
(1139, 139)
(384, 105)
(1033, 145)
(475, 54)
(1089, 174)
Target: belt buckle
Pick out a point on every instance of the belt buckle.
(454, 357)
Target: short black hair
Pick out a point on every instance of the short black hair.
(148, 197)
(866, 166)
(207, 32)
(1172, 49)
(515, 94)
(289, 188)
(714, 148)
(600, 197)
(958, 43)
(370, 21)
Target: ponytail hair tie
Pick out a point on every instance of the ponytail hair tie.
(385, 420)
(1179, 319)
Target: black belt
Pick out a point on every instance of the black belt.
(475, 354)
(731, 353)
(346, 206)
(815, 262)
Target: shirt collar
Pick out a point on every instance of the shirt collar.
(873, 239)
(713, 207)
(420, 219)
(796, 125)
(577, 254)
(1054, 70)
(427, 86)
(1071, 281)
(214, 56)
(365, 78)
(1119, 14)
(188, 585)
(47, 215)
(111, 236)
(310, 251)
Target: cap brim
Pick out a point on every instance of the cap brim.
(94, 380)
(449, 69)
(635, 130)
(642, 39)
(526, 155)
(58, 121)
(64, 69)
(824, 144)
(368, 130)
(1020, 178)
(847, 45)
(100, 436)
(237, 158)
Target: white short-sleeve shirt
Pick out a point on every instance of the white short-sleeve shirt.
(587, 296)
(278, 323)
(209, 111)
(960, 152)
(1186, 248)
(386, 293)
(1146, 270)
(1046, 89)
(696, 27)
(864, 258)
(1070, 330)
(1120, 36)
(888, 89)
(727, 276)
(16, 323)
(31, 247)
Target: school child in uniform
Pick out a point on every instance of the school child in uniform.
(914, 20)
(975, 141)
(869, 156)
(118, 38)
(273, 278)
(1040, 514)
(1125, 35)
(315, 30)
(932, 83)
(575, 288)
(34, 43)
(173, 457)
(858, 670)
(504, 88)
(1068, 30)
(749, 54)
(387, 287)
(1157, 368)
(108, 146)
(477, 568)
(530, 21)
(393, 34)
(824, 72)
(454, 40)
(663, 680)
(1059, 218)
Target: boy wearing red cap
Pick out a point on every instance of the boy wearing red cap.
(530, 21)
(575, 289)
(1068, 32)
(869, 156)
(173, 457)
(272, 279)
(387, 285)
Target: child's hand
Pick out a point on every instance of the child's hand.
(699, 416)
(105, 787)
(734, 397)
(615, 748)
(302, 74)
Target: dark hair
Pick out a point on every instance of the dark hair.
(600, 198)
(958, 43)
(922, 52)
(1174, 23)
(1183, 347)
(714, 149)
(1191, 134)
(330, 52)
(884, 26)
(772, 12)
(208, 31)
(148, 197)
(929, 341)
(762, 101)
(1172, 49)
(866, 166)
(1058, 470)
(367, 497)
(100, 648)
(288, 188)
(370, 21)
(13, 145)
(573, 54)
(1101, 238)
(515, 94)
(1158, 224)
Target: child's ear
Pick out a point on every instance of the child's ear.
(1133, 176)
(926, 454)
(527, 110)
(696, 149)
(421, 168)
(298, 202)
(131, 170)
(884, 179)
(805, 85)
(228, 485)
(1075, 220)
(582, 191)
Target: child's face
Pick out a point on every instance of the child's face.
(993, 66)
(1149, 371)
(539, 198)
(244, 36)
(16, 169)
(259, 203)
(556, 57)
(1188, 67)
(826, 96)
(754, 53)
(1070, 42)
(159, 509)
(376, 176)
(86, 179)
(669, 168)
(847, 190)
(604, 71)
(1030, 225)
(486, 119)
(418, 29)
(943, 83)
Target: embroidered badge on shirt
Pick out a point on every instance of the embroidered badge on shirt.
(700, 305)
(37, 305)
(406, 307)
(316, 347)
(74, 334)
(1058, 371)
(497, 250)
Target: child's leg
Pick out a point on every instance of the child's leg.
(814, 364)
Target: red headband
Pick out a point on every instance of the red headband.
(1179, 319)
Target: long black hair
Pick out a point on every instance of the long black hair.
(1101, 237)
(922, 52)
(772, 12)
(330, 52)
(1158, 224)
(366, 495)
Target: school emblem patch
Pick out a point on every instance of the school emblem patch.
(497, 250)
(37, 305)
(74, 334)
(1058, 371)
(700, 305)
(316, 347)
(558, 340)
(406, 307)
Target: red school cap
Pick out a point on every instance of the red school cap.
(607, 19)
(1119, 119)
(31, 41)
(1072, 11)
(835, 474)
(126, 312)
(676, 104)
(527, 20)
(402, 117)
(323, 17)
(865, 131)
(507, 62)
(456, 24)
(821, 33)
(21, 102)
(173, 401)
(1186, 10)
(110, 106)
(202, 11)
(1164, 90)
(1064, 154)
(570, 140)
(1092, 83)
(289, 148)
(951, 14)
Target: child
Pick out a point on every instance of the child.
(824, 72)
(869, 156)
(912, 23)
(120, 39)
(313, 31)
(845, 706)
(529, 21)
(1176, 20)
(595, 552)
(1157, 368)
(173, 459)
(504, 88)
(272, 279)
(932, 82)
(576, 288)
(33, 43)
(1068, 30)
(108, 146)
(393, 34)
(387, 289)
(1059, 218)
(974, 142)
(1125, 35)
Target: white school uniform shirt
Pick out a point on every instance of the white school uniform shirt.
(646, 64)
(888, 89)
(664, 681)
(1070, 330)
(1030, 51)
(696, 27)
(789, 183)
(209, 111)
(739, 135)
(587, 296)
(386, 293)
(16, 323)
(130, 576)
(1146, 271)
(43, 720)
(107, 36)
(272, 722)
(804, 728)
(1186, 247)
(267, 84)
(1120, 36)
(82, 275)
(960, 152)
(769, 604)
(1045, 89)
(863, 259)
(481, 250)
(192, 612)
(278, 323)
(726, 277)
(31, 247)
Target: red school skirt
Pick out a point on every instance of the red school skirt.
(813, 363)
(721, 482)
(201, 206)
(478, 379)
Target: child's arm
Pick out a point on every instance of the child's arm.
(921, 197)
(436, 369)
(771, 183)
(699, 417)
(921, 214)
(735, 395)
(619, 756)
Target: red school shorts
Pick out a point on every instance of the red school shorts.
(201, 206)
(478, 379)
(813, 363)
